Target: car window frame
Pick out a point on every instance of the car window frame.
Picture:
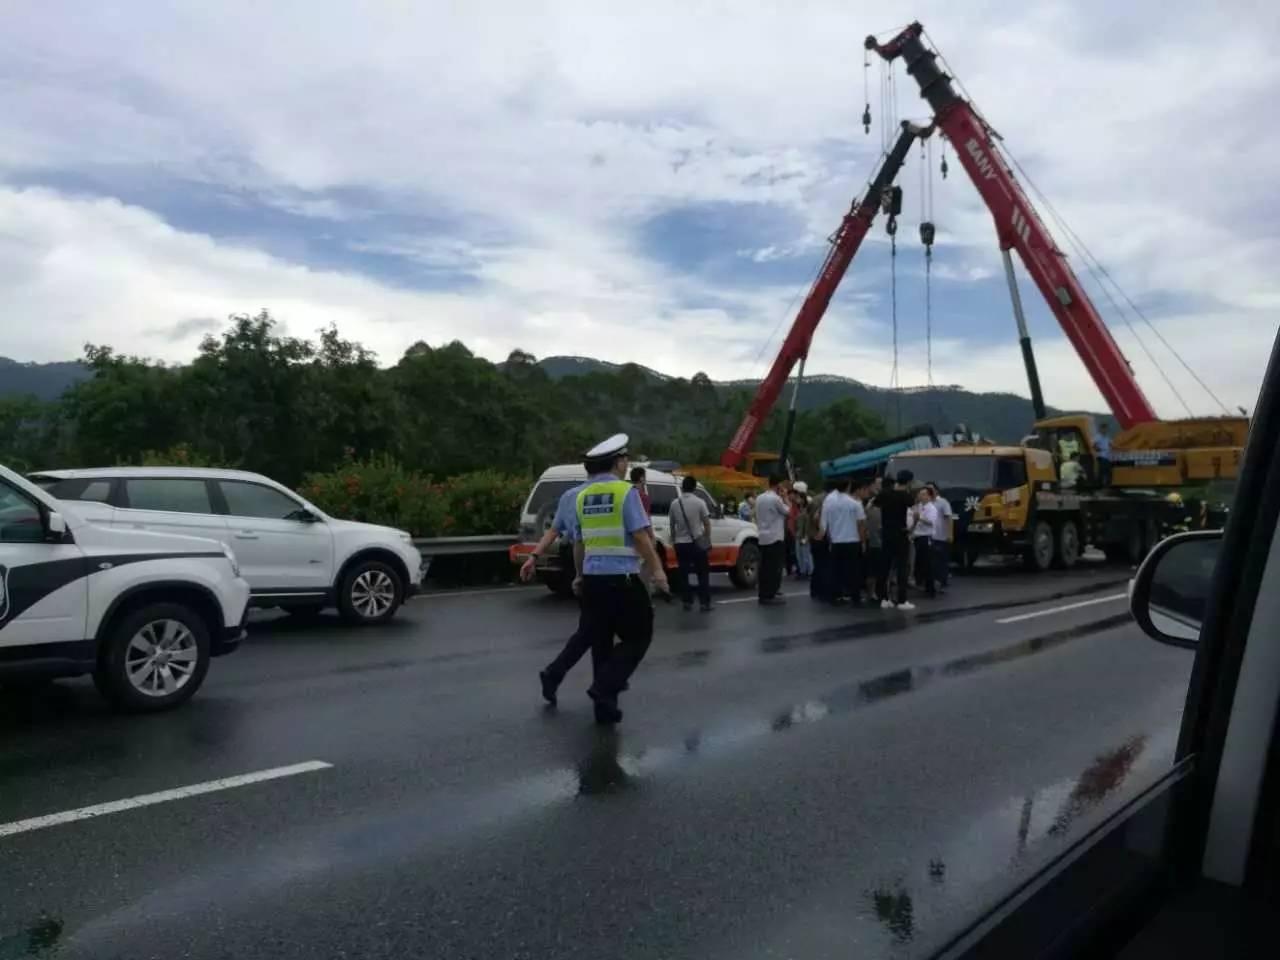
(124, 503)
(223, 506)
(654, 485)
(40, 509)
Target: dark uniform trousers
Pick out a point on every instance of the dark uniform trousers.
(574, 650)
(616, 605)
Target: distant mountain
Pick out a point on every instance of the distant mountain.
(45, 380)
(1005, 417)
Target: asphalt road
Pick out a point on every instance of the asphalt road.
(802, 781)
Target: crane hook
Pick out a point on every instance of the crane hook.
(944, 164)
(926, 236)
(866, 119)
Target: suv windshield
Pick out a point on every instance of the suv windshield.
(548, 491)
(947, 471)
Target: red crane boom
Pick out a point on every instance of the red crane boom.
(853, 228)
(1020, 228)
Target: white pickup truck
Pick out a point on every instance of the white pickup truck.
(142, 612)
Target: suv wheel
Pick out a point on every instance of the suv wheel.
(370, 592)
(154, 658)
(747, 570)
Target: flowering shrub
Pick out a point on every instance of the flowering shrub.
(381, 490)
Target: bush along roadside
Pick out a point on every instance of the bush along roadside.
(381, 490)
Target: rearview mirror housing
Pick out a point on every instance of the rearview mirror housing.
(1169, 595)
(55, 525)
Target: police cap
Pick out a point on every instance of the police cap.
(615, 446)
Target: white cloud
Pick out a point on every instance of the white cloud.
(562, 124)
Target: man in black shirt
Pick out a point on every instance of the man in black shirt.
(894, 503)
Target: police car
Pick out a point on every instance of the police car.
(734, 543)
(142, 612)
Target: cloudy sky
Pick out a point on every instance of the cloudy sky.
(654, 184)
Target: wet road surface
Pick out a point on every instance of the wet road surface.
(800, 781)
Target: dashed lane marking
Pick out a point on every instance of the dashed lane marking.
(163, 796)
(1068, 606)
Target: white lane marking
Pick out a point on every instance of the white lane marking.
(164, 796)
(463, 593)
(1069, 606)
(749, 599)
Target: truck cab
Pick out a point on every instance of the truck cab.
(993, 491)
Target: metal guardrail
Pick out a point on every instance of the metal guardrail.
(463, 546)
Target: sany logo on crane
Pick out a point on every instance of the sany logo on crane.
(980, 158)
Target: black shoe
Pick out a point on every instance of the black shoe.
(776, 601)
(607, 714)
(606, 708)
(549, 686)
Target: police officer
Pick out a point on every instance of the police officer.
(612, 536)
(579, 643)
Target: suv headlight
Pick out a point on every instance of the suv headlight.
(231, 559)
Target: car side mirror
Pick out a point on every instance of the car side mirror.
(55, 525)
(303, 515)
(1171, 590)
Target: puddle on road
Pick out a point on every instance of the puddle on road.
(881, 623)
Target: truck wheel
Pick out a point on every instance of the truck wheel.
(1039, 552)
(746, 571)
(154, 658)
(370, 593)
(1067, 545)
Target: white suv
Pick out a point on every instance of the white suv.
(293, 554)
(143, 612)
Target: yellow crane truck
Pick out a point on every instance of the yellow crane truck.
(1012, 499)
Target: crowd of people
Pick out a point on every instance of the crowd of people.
(852, 542)
(857, 541)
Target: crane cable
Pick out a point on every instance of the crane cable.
(1086, 254)
(1089, 257)
(1092, 265)
(927, 233)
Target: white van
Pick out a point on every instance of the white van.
(734, 549)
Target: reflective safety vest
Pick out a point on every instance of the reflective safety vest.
(600, 517)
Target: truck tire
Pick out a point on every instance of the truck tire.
(1038, 555)
(746, 571)
(370, 592)
(153, 658)
(1066, 545)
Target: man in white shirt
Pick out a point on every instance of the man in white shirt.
(771, 513)
(843, 522)
(690, 519)
(924, 520)
(942, 535)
